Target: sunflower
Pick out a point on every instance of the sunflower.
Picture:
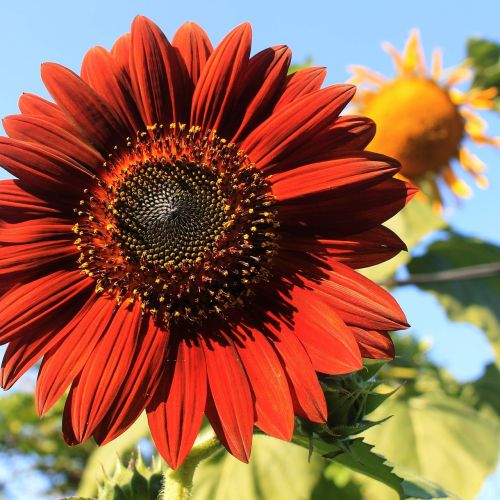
(423, 120)
(181, 238)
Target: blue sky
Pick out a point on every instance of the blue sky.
(334, 34)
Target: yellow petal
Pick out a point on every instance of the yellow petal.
(437, 64)
(396, 57)
(482, 181)
(458, 186)
(470, 162)
(484, 139)
(361, 74)
(457, 97)
(458, 75)
(413, 58)
(474, 124)
(482, 99)
(437, 201)
(476, 127)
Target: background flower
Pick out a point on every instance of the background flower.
(423, 119)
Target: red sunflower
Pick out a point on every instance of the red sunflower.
(181, 237)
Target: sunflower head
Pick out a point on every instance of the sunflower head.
(423, 120)
(182, 237)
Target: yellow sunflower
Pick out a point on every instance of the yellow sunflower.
(423, 119)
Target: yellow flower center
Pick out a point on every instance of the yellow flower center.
(417, 123)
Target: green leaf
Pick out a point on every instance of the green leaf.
(412, 225)
(483, 393)
(484, 56)
(417, 487)
(413, 486)
(338, 482)
(360, 457)
(476, 301)
(357, 456)
(440, 439)
(276, 470)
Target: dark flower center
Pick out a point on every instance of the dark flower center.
(181, 221)
(171, 213)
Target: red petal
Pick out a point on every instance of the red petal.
(30, 257)
(302, 82)
(121, 52)
(104, 75)
(159, 77)
(264, 82)
(28, 305)
(344, 172)
(359, 301)
(328, 215)
(273, 403)
(230, 406)
(176, 411)
(272, 143)
(195, 48)
(139, 384)
(40, 131)
(43, 168)
(64, 361)
(308, 398)
(40, 229)
(374, 344)
(17, 204)
(360, 250)
(89, 113)
(328, 341)
(30, 104)
(24, 352)
(217, 88)
(348, 133)
(96, 386)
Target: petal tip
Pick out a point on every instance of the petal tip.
(411, 190)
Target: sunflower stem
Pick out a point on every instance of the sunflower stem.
(177, 484)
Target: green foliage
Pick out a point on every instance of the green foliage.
(298, 66)
(483, 394)
(484, 56)
(337, 481)
(39, 441)
(350, 398)
(437, 426)
(136, 481)
(276, 470)
(102, 461)
(438, 437)
(476, 301)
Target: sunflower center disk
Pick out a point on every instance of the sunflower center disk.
(181, 221)
(171, 214)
